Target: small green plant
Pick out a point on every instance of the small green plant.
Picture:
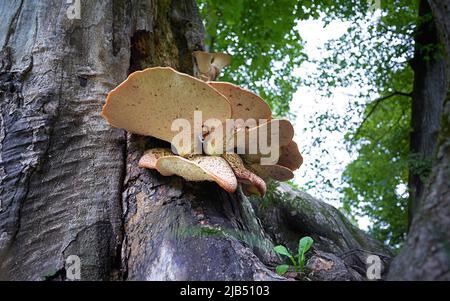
(298, 261)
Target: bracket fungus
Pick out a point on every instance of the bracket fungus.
(199, 168)
(275, 172)
(148, 160)
(249, 140)
(150, 102)
(290, 156)
(252, 181)
(245, 104)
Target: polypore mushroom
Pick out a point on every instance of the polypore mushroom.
(276, 172)
(148, 160)
(253, 183)
(281, 129)
(199, 168)
(290, 156)
(245, 104)
(149, 101)
(211, 64)
(247, 141)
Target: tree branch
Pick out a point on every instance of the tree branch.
(377, 103)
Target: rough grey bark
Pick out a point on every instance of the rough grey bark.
(426, 254)
(183, 231)
(429, 92)
(69, 183)
(61, 165)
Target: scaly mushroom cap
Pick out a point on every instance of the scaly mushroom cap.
(148, 160)
(150, 100)
(199, 168)
(290, 156)
(245, 104)
(276, 172)
(252, 182)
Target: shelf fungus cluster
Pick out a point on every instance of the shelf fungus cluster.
(217, 131)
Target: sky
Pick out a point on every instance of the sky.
(306, 103)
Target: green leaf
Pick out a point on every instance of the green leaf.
(305, 244)
(282, 251)
(282, 269)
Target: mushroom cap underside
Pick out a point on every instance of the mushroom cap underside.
(149, 101)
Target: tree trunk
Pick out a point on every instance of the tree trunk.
(426, 254)
(70, 184)
(428, 95)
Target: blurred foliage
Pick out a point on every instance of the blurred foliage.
(372, 57)
(265, 46)
(264, 41)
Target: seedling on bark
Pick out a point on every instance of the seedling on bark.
(298, 261)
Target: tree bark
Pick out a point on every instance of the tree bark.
(429, 92)
(426, 254)
(61, 165)
(70, 184)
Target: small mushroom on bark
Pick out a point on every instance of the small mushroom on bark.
(199, 168)
(211, 64)
(149, 101)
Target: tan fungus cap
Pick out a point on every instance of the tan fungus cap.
(199, 168)
(150, 100)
